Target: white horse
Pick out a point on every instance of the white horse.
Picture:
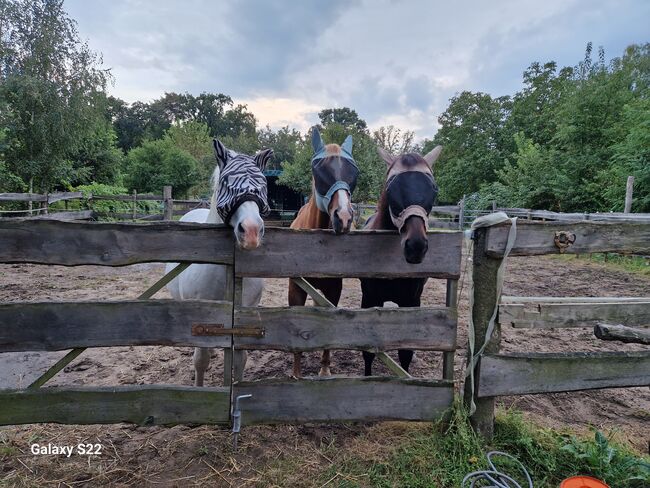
(208, 281)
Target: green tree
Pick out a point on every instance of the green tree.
(285, 143)
(345, 117)
(51, 88)
(476, 144)
(159, 163)
(394, 140)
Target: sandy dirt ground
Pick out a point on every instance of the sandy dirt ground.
(177, 456)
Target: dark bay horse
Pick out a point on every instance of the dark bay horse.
(404, 205)
(334, 176)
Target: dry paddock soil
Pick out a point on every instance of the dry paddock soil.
(185, 456)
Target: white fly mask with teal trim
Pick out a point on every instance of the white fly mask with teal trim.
(332, 172)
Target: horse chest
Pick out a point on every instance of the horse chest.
(403, 291)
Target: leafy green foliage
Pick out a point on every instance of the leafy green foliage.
(159, 163)
(111, 206)
(51, 91)
(605, 461)
(444, 453)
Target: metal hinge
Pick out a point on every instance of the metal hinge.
(220, 330)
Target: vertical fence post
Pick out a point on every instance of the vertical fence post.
(239, 356)
(135, 203)
(46, 203)
(168, 203)
(484, 279)
(494, 206)
(461, 214)
(451, 301)
(227, 353)
(629, 189)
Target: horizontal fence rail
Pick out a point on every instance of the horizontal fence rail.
(380, 329)
(284, 252)
(142, 404)
(287, 253)
(575, 313)
(527, 373)
(344, 399)
(53, 326)
(113, 244)
(535, 238)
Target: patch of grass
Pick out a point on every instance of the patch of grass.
(632, 264)
(441, 454)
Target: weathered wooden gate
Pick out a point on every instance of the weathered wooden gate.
(499, 374)
(285, 253)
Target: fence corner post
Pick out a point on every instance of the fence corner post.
(484, 279)
(168, 203)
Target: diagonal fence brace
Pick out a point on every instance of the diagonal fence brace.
(73, 354)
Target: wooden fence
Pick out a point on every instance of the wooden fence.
(500, 374)
(285, 253)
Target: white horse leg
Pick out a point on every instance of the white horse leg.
(201, 363)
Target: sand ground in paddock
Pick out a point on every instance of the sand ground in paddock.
(183, 455)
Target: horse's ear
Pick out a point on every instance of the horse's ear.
(220, 152)
(317, 143)
(263, 157)
(386, 156)
(432, 155)
(347, 145)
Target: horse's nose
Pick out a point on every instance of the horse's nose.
(342, 220)
(415, 250)
(250, 233)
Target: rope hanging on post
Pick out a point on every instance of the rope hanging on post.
(487, 221)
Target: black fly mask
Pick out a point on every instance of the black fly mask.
(410, 193)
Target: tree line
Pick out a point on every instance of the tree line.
(566, 141)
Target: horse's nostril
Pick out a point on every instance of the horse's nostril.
(240, 228)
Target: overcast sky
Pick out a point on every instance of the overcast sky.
(394, 61)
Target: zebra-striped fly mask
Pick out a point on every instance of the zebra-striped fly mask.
(241, 179)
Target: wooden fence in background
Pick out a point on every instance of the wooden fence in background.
(500, 374)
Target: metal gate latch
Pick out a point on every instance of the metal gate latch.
(236, 419)
(563, 239)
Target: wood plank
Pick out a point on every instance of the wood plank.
(318, 253)
(533, 300)
(566, 314)
(343, 399)
(54, 326)
(446, 210)
(64, 195)
(535, 238)
(621, 333)
(523, 374)
(113, 244)
(22, 197)
(443, 224)
(128, 198)
(374, 329)
(142, 404)
(73, 215)
(129, 215)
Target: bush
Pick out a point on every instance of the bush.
(159, 163)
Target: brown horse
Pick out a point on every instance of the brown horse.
(334, 175)
(404, 205)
